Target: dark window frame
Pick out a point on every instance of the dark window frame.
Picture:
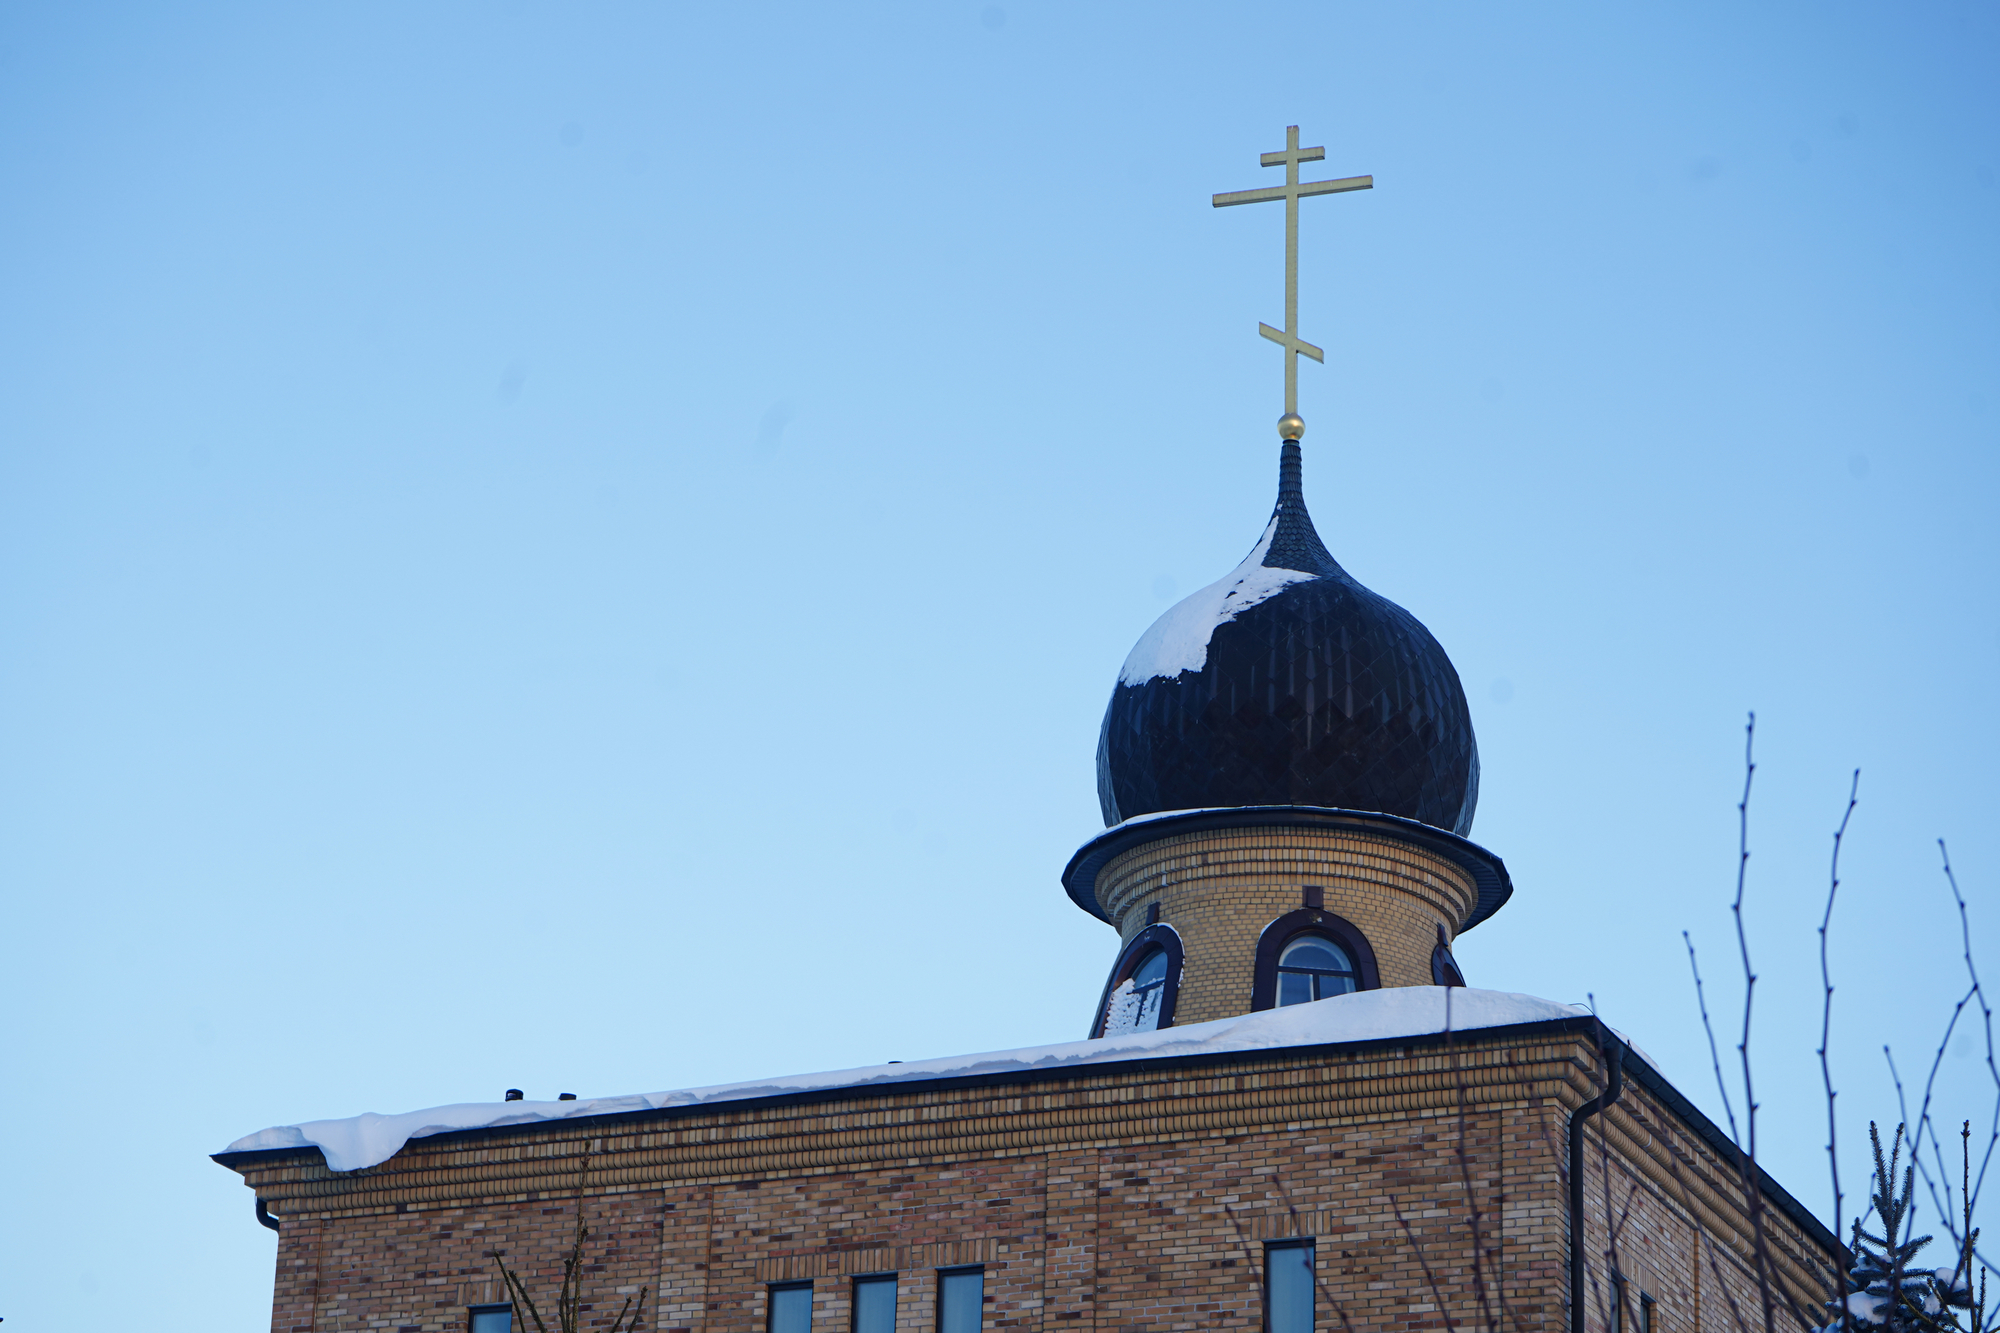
(1292, 963)
(939, 1275)
(1617, 1302)
(1646, 1307)
(1163, 937)
(1309, 921)
(472, 1311)
(1271, 1247)
(771, 1307)
(894, 1279)
(1444, 968)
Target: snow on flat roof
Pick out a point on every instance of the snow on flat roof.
(1403, 1011)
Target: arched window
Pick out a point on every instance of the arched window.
(1444, 968)
(1313, 967)
(1310, 954)
(1140, 995)
(1148, 986)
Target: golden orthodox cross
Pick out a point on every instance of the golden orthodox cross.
(1291, 427)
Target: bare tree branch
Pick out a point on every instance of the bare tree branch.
(1825, 1031)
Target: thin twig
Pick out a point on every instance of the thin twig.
(1714, 1053)
(1616, 1287)
(1319, 1284)
(1948, 1207)
(1986, 1017)
(1825, 1031)
(1680, 1158)
(1437, 1293)
(1479, 1282)
(1745, 1165)
(1748, 1155)
(1256, 1276)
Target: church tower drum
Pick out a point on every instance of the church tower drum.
(1287, 771)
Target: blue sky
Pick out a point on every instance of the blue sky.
(584, 549)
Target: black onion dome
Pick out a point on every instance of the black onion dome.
(1288, 683)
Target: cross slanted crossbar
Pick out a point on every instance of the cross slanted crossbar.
(1291, 192)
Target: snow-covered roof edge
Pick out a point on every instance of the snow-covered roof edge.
(1405, 1011)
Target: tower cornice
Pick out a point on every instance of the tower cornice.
(1489, 873)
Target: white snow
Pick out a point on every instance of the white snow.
(1866, 1306)
(1403, 1011)
(1121, 1011)
(1178, 640)
(1129, 1011)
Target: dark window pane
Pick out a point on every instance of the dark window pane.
(959, 1298)
(1294, 988)
(791, 1309)
(875, 1305)
(1331, 986)
(1149, 1010)
(492, 1321)
(1289, 1294)
(1152, 971)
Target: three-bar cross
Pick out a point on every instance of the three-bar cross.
(1291, 192)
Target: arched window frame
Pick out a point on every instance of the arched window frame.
(1162, 937)
(1444, 968)
(1308, 921)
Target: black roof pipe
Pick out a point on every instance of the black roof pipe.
(264, 1216)
(1612, 1052)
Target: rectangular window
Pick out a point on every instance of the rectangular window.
(961, 1300)
(875, 1304)
(791, 1307)
(1646, 1304)
(490, 1318)
(1617, 1302)
(1288, 1286)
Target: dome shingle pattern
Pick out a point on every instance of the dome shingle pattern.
(1319, 693)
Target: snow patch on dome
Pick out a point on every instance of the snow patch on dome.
(1178, 640)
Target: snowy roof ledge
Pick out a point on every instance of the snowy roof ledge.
(1370, 1016)
(1405, 1011)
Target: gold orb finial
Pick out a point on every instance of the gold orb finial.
(1291, 426)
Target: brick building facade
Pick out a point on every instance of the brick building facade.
(1136, 1198)
(1269, 1127)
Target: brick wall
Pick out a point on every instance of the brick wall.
(1219, 889)
(1125, 1198)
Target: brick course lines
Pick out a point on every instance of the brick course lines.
(1220, 889)
(911, 1124)
(1131, 1201)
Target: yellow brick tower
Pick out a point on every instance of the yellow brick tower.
(1287, 770)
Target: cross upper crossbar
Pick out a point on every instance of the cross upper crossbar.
(1291, 192)
(1292, 155)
